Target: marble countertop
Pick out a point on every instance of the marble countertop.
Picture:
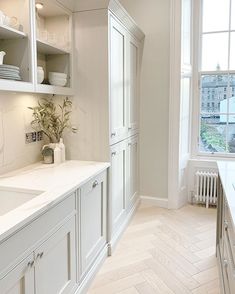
(54, 181)
(227, 176)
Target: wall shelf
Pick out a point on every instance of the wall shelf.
(48, 49)
(50, 89)
(10, 33)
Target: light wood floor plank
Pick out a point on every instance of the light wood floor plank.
(163, 252)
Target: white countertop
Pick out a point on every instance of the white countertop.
(55, 181)
(227, 176)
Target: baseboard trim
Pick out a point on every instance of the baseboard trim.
(160, 202)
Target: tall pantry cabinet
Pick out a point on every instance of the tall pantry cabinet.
(108, 60)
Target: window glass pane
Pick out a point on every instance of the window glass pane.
(233, 15)
(215, 51)
(232, 52)
(214, 93)
(215, 15)
(231, 133)
(231, 94)
(212, 134)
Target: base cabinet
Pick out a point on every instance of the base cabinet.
(21, 279)
(93, 210)
(55, 266)
(124, 193)
(225, 244)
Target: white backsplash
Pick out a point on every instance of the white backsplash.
(15, 118)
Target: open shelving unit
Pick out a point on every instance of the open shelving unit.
(26, 49)
(17, 43)
(10, 33)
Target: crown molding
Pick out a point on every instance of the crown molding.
(116, 9)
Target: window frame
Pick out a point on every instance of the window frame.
(196, 83)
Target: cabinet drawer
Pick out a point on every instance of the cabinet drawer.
(18, 245)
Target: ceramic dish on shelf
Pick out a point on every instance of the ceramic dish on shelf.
(57, 75)
(58, 82)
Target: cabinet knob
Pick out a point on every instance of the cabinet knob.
(30, 263)
(113, 134)
(130, 128)
(95, 184)
(225, 263)
(113, 153)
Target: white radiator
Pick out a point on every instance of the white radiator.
(206, 188)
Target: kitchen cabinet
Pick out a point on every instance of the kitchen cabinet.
(118, 187)
(41, 37)
(133, 82)
(49, 244)
(108, 94)
(118, 81)
(55, 265)
(48, 269)
(93, 222)
(225, 244)
(132, 181)
(21, 279)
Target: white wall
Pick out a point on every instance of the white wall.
(15, 120)
(153, 17)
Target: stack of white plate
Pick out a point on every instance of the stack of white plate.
(57, 79)
(10, 72)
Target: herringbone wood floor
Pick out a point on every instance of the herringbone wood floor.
(163, 251)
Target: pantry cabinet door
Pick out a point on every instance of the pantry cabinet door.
(118, 186)
(132, 172)
(133, 69)
(93, 210)
(20, 280)
(55, 262)
(118, 87)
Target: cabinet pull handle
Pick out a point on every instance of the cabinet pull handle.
(129, 144)
(114, 153)
(30, 263)
(113, 134)
(40, 255)
(95, 184)
(225, 225)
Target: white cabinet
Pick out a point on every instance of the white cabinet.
(48, 269)
(133, 83)
(92, 213)
(118, 186)
(21, 279)
(55, 265)
(132, 171)
(118, 81)
(124, 82)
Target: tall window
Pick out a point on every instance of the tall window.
(217, 77)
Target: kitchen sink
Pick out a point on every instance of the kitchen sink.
(11, 198)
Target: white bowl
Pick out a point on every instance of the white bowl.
(57, 75)
(40, 78)
(58, 82)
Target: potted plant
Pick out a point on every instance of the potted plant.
(52, 120)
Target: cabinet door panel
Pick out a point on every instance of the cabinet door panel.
(55, 262)
(93, 201)
(134, 85)
(118, 186)
(118, 89)
(132, 174)
(20, 280)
